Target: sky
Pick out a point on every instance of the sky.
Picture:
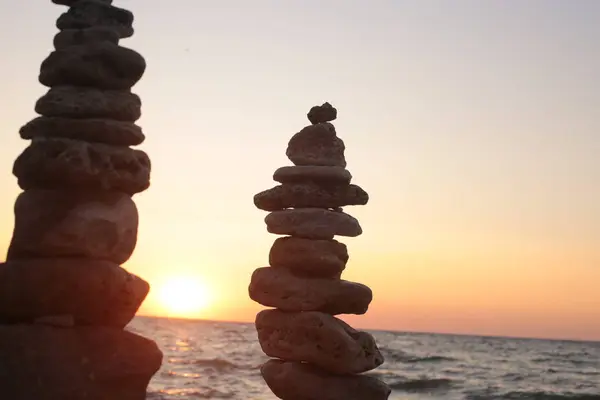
(473, 125)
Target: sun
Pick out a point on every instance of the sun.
(184, 296)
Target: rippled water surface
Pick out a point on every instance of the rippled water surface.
(215, 360)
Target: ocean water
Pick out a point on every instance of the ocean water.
(217, 360)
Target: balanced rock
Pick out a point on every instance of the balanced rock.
(319, 339)
(313, 173)
(279, 288)
(92, 13)
(82, 102)
(73, 164)
(106, 131)
(323, 113)
(78, 37)
(312, 223)
(46, 363)
(310, 195)
(317, 145)
(300, 381)
(102, 65)
(99, 225)
(305, 257)
(94, 292)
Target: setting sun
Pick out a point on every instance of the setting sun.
(184, 296)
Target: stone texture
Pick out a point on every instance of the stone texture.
(310, 195)
(72, 164)
(319, 339)
(279, 288)
(56, 223)
(77, 37)
(102, 65)
(313, 173)
(94, 292)
(82, 102)
(323, 113)
(312, 223)
(97, 130)
(297, 381)
(61, 321)
(305, 257)
(92, 13)
(317, 145)
(45, 363)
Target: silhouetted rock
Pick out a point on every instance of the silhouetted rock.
(69, 164)
(319, 339)
(279, 288)
(45, 363)
(94, 292)
(317, 258)
(312, 223)
(312, 173)
(99, 225)
(320, 355)
(102, 65)
(317, 145)
(310, 195)
(77, 37)
(92, 13)
(300, 381)
(83, 102)
(323, 113)
(97, 130)
(59, 321)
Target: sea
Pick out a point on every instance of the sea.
(221, 360)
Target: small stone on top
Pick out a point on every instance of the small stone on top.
(322, 113)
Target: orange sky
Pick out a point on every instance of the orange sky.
(474, 128)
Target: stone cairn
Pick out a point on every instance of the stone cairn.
(64, 298)
(318, 356)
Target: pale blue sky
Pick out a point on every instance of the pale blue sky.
(474, 125)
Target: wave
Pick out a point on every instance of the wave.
(537, 396)
(422, 384)
(216, 363)
(401, 357)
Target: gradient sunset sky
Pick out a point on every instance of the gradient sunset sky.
(474, 126)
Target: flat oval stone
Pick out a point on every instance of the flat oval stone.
(80, 102)
(312, 173)
(305, 257)
(92, 13)
(310, 195)
(102, 65)
(94, 292)
(78, 37)
(57, 223)
(91, 363)
(323, 113)
(300, 381)
(319, 339)
(73, 164)
(107, 131)
(312, 223)
(279, 288)
(317, 145)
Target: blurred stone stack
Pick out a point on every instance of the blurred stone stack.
(64, 298)
(319, 357)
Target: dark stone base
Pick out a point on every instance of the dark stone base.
(45, 363)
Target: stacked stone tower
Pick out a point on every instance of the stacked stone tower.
(319, 357)
(64, 298)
